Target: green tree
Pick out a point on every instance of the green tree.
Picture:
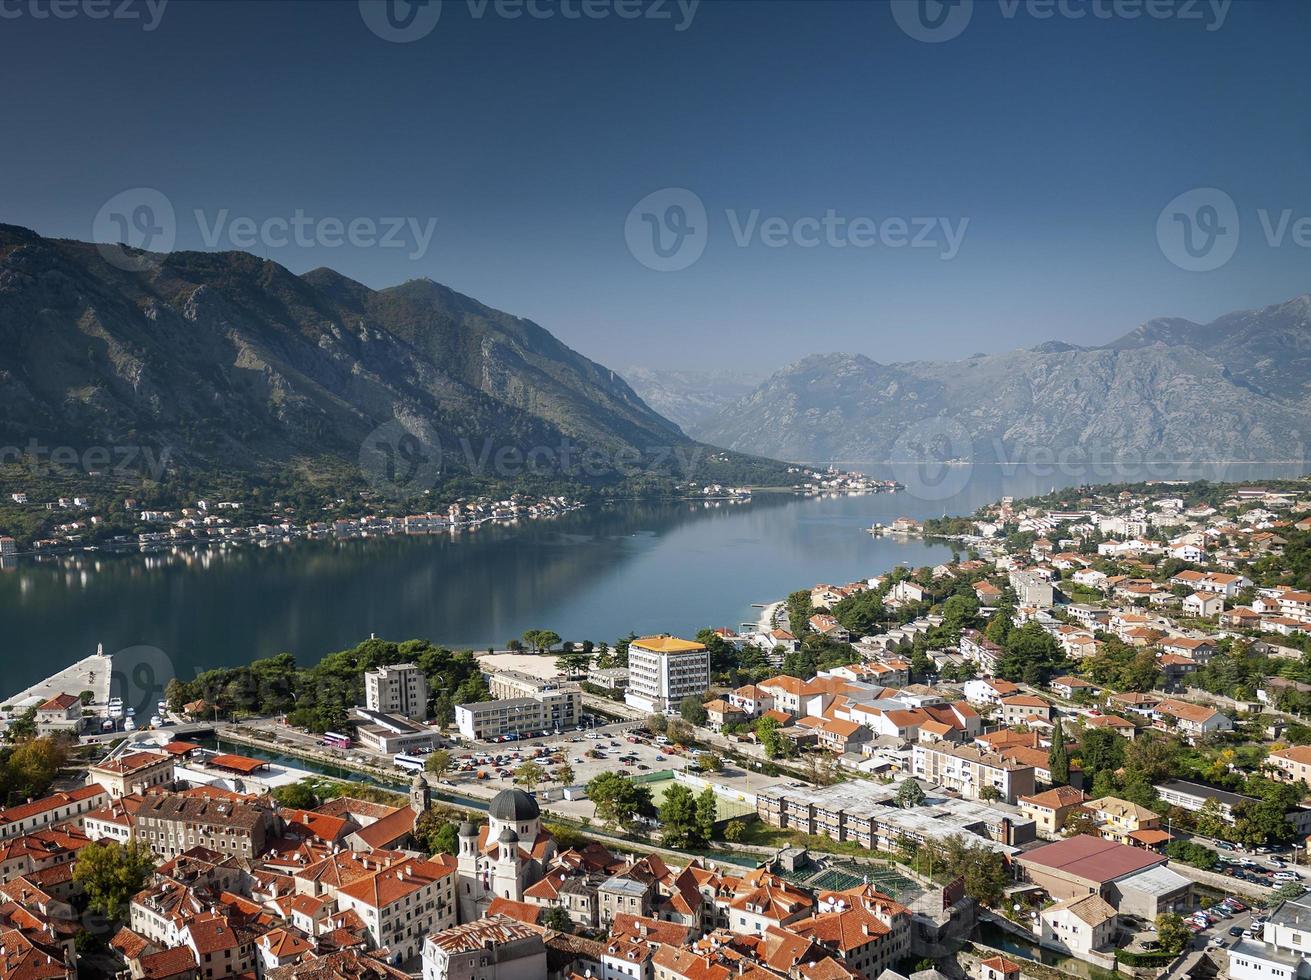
(619, 801)
(707, 812)
(1211, 821)
(438, 762)
(296, 796)
(557, 919)
(990, 794)
(1058, 758)
(110, 873)
(909, 794)
(1101, 750)
(1171, 932)
(678, 818)
(529, 775)
(734, 831)
(771, 739)
(564, 774)
(445, 839)
(692, 710)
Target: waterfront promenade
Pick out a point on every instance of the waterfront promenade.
(90, 674)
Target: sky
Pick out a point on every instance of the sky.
(717, 185)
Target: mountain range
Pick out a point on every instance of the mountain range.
(1238, 388)
(233, 361)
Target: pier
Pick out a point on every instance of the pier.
(90, 674)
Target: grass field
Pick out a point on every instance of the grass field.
(727, 809)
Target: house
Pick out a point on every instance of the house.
(973, 772)
(1019, 709)
(1067, 686)
(134, 772)
(1204, 605)
(1119, 820)
(1079, 925)
(842, 736)
(720, 713)
(999, 968)
(1193, 720)
(1292, 764)
(1199, 649)
(1114, 723)
(1049, 810)
(751, 700)
(61, 714)
(989, 691)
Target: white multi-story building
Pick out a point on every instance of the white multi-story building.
(398, 689)
(1284, 951)
(662, 670)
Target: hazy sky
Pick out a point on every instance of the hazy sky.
(1031, 155)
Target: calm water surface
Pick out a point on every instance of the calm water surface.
(597, 573)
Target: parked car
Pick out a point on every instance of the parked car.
(1235, 931)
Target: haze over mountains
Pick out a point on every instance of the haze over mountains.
(1238, 388)
(232, 360)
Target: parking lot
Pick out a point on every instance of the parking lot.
(614, 748)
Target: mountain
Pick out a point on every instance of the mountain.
(1237, 388)
(689, 398)
(233, 361)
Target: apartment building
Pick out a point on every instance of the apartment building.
(170, 823)
(403, 902)
(970, 771)
(561, 702)
(495, 948)
(398, 689)
(550, 706)
(663, 670)
(59, 808)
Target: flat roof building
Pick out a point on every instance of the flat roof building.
(663, 670)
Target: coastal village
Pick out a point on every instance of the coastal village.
(1080, 745)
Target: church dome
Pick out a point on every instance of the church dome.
(467, 829)
(514, 806)
(508, 836)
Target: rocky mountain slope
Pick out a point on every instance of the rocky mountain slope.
(690, 397)
(1235, 389)
(231, 360)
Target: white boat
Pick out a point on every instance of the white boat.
(156, 721)
(129, 725)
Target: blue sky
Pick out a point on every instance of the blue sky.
(1049, 144)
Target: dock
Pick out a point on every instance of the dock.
(90, 674)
